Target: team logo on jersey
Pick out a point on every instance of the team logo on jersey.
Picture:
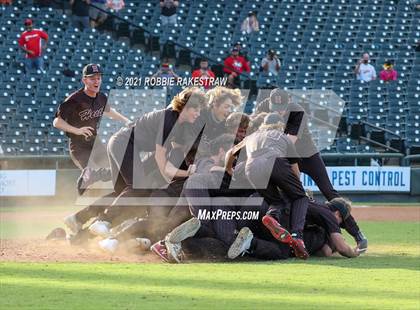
(88, 114)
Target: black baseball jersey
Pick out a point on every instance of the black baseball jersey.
(322, 216)
(156, 128)
(80, 110)
(270, 143)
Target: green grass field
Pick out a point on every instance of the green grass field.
(388, 277)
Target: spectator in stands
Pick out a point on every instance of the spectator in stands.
(80, 11)
(250, 24)
(30, 42)
(97, 17)
(115, 5)
(364, 70)
(168, 12)
(388, 73)
(204, 73)
(6, 2)
(271, 63)
(165, 72)
(234, 65)
(242, 52)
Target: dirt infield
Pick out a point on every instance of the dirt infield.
(386, 214)
(28, 249)
(39, 250)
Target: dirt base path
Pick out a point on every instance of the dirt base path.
(386, 214)
(38, 250)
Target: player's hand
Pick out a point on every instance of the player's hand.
(229, 171)
(87, 132)
(30, 52)
(191, 169)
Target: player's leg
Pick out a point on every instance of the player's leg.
(120, 150)
(96, 169)
(285, 179)
(79, 154)
(314, 166)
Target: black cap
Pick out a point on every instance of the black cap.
(91, 69)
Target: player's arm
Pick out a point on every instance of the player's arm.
(21, 44)
(342, 247)
(26, 50)
(264, 65)
(167, 169)
(61, 124)
(247, 68)
(278, 64)
(44, 36)
(357, 68)
(231, 155)
(114, 114)
(295, 169)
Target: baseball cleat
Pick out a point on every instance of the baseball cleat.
(109, 245)
(101, 229)
(278, 231)
(241, 244)
(184, 231)
(73, 224)
(299, 248)
(175, 254)
(160, 250)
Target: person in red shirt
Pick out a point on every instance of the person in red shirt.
(30, 42)
(204, 73)
(388, 74)
(234, 66)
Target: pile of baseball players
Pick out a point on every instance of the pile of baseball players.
(176, 170)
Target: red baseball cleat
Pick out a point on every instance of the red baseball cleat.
(278, 231)
(299, 248)
(160, 250)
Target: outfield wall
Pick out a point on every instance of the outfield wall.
(64, 181)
